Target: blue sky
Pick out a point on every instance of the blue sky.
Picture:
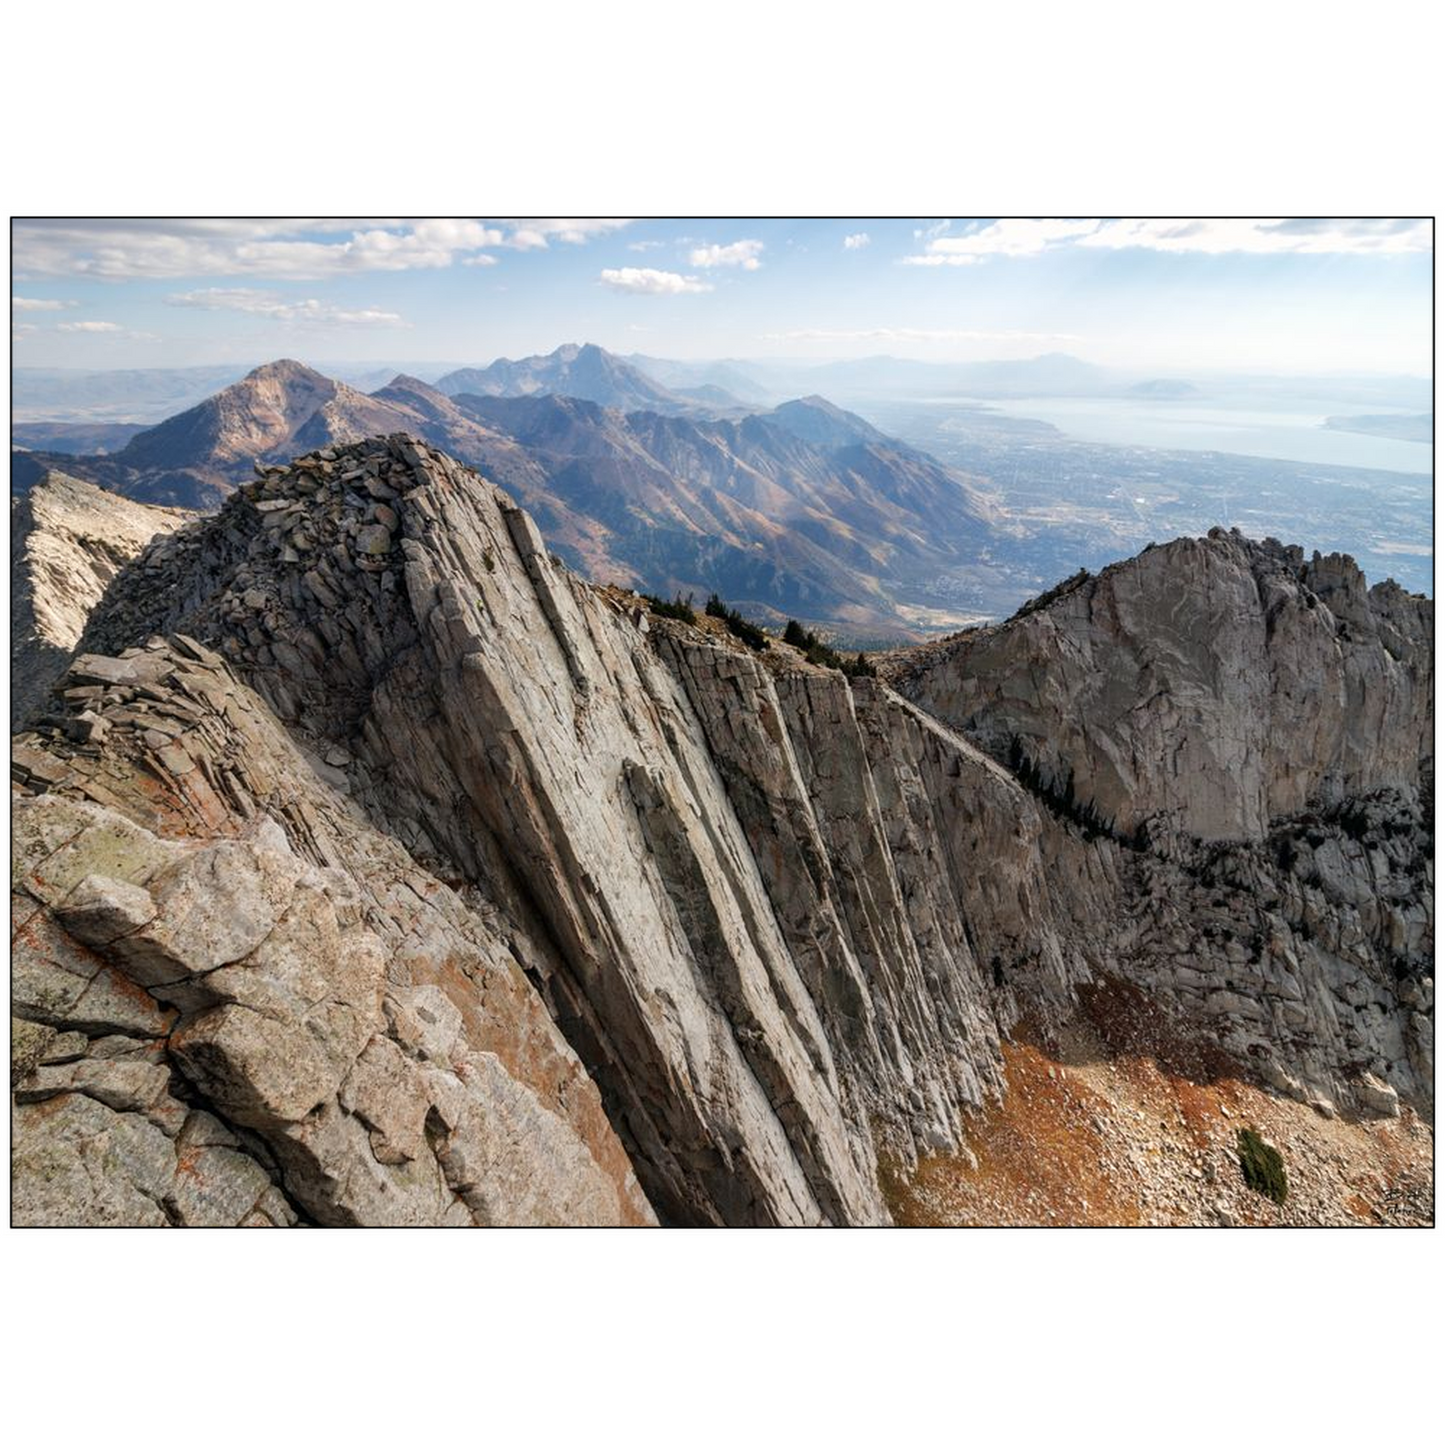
(1286, 296)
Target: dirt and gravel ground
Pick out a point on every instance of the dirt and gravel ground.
(1114, 1122)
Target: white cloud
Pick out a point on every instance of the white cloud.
(912, 333)
(1374, 237)
(34, 303)
(277, 308)
(290, 249)
(856, 241)
(739, 253)
(482, 258)
(534, 234)
(1208, 237)
(646, 245)
(927, 232)
(90, 326)
(998, 238)
(646, 282)
(937, 260)
(22, 328)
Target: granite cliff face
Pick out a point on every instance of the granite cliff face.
(545, 908)
(1203, 689)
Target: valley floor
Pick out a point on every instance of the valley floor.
(1093, 1130)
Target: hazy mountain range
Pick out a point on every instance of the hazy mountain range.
(801, 510)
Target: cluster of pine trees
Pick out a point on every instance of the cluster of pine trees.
(795, 635)
(737, 624)
(819, 653)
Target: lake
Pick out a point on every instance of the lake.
(1296, 433)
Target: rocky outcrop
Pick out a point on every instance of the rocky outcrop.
(1202, 689)
(240, 1004)
(727, 925)
(68, 539)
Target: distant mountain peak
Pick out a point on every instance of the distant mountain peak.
(414, 386)
(583, 370)
(285, 368)
(817, 420)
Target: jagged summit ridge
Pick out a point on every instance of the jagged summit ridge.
(585, 371)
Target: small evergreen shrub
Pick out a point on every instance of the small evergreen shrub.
(737, 624)
(821, 655)
(679, 608)
(1262, 1167)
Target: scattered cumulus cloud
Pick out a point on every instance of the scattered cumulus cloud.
(739, 253)
(291, 249)
(645, 245)
(1018, 238)
(34, 303)
(89, 326)
(856, 241)
(644, 281)
(278, 308)
(574, 233)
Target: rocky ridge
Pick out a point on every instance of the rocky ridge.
(584, 371)
(782, 920)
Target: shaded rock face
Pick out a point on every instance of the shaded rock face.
(68, 539)
(730, 926)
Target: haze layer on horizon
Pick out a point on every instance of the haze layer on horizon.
(1289, 296)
